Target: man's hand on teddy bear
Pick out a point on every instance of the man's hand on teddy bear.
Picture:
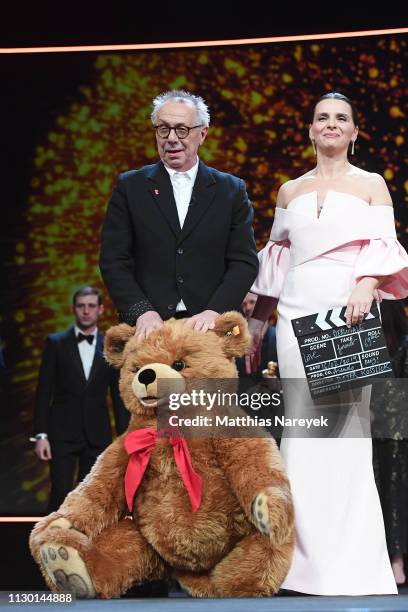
(203, 321)
(272, 514)
(146, 323)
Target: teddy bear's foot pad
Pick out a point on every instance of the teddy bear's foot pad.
(67, 570)
(260, 513)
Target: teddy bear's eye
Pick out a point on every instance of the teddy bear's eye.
(135, 369)
(178, 365)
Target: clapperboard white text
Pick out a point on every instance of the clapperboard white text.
(335, 356)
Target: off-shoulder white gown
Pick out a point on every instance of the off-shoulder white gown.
(311, 264)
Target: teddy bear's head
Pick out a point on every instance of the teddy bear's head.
(171, 355)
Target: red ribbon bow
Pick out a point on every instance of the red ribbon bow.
(139, 445)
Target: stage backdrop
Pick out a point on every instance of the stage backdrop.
(74, 121)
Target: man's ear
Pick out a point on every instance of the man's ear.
(232, 328)
(204, 132)
(116, 339)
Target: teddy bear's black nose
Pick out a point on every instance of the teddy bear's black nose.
(147, 376)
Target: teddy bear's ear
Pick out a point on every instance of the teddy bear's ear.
(233, 329)
(115, 340)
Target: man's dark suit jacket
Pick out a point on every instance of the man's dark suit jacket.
(70, 408)
(148, 263)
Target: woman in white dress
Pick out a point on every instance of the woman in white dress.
(333, 243)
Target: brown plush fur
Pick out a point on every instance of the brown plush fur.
(217, 551)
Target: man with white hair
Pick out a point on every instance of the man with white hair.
(177, 239)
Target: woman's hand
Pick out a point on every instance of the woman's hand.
(360, 300)
(253, 353)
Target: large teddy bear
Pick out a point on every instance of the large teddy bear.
(213, 512)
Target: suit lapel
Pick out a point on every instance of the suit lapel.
(162, 193)
(98, 357)
(201, 198)
(72, 346)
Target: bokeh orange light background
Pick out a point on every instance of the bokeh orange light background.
(260, 98)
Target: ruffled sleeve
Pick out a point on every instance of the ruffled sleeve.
(273, 259)
(385, 257)
(273, 265)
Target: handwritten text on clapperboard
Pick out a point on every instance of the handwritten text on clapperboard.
(336, 357)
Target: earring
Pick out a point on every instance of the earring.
(313, 145)
(352, 146)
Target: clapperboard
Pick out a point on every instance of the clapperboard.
(336, 357)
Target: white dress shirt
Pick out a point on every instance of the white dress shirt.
(86, 351)
(182, 183)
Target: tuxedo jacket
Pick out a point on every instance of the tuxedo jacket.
(69, 407)
(149, 263)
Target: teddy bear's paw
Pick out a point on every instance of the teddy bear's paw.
(260, 513)
(62, 523)
(272, 510)
(66, 569)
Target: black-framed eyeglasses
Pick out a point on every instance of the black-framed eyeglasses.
(181, 131)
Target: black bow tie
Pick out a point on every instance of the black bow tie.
(88, 338)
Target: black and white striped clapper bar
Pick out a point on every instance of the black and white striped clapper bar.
(335, 356)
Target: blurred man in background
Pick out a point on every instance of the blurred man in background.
(71, 417)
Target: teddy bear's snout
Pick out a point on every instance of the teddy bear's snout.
(155, 382)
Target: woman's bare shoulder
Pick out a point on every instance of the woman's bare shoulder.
(375, 186)
(379, 193)
(288, 190)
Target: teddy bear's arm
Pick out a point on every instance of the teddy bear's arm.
(99, 500)
(251, 466)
